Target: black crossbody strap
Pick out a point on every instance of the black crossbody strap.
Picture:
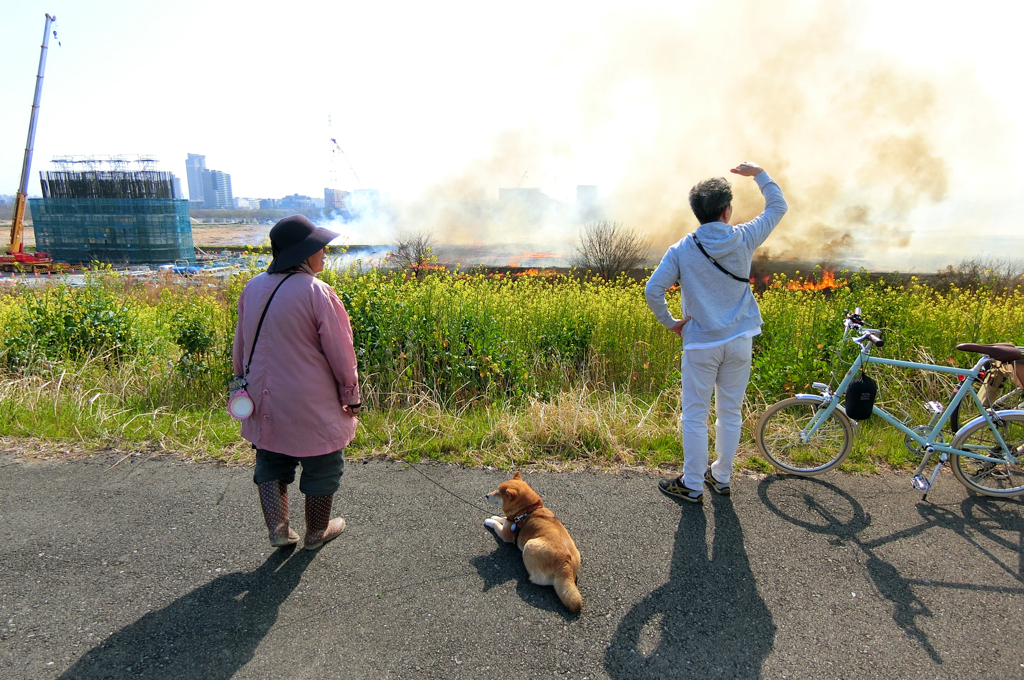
(260, 325)
(714, 262)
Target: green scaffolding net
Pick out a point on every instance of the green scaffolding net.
(114, 230)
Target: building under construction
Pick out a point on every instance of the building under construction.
(112, 210)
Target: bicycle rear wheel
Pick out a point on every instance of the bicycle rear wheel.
(991, 479)
(778, 436)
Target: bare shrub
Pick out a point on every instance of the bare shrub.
(608, 248)
(989, 274)
(413, 251)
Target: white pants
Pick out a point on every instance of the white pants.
(725, 370)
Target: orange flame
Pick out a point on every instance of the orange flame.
(531, 256)
(537, 272)
(826, 282)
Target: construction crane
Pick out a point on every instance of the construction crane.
(16, 258)
(338, 147)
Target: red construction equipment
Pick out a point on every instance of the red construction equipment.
(16, 259)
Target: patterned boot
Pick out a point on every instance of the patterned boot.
(320, 528)
(274, 501)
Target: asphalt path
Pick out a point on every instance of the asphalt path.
(151, 567)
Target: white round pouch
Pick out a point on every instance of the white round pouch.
(240, 406)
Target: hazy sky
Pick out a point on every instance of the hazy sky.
(892, 126)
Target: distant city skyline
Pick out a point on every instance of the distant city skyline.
(885, 125)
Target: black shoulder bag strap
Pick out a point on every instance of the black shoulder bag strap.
(260, 325)
(714, 262)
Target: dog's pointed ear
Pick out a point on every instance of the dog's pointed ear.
(517, 476)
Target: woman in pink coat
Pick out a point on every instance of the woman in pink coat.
(302, 380)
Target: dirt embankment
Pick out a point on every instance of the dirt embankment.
(218, 235)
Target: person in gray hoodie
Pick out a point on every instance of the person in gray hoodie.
(719, 320)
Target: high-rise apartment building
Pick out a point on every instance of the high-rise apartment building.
(217, 190)
(334, 199)
(207, 188)
(194, 167)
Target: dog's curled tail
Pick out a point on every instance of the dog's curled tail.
(565, 587)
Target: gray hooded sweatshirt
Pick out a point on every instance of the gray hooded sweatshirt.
(721, 307)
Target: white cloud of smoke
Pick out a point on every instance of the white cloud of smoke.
(856, 140)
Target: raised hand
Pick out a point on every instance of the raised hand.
(747, 169)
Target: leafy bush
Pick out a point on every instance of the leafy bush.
(63, 323)
(194, 331)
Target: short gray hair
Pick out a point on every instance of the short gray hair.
(709, 198)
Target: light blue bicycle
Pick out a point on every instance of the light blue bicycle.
(811, 433)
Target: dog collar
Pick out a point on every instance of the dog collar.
(519, 520)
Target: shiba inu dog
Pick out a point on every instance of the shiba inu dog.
(550, 556)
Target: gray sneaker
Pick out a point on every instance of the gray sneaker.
(674, 487)
(716, 486)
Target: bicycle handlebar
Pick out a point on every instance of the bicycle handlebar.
(872, 335)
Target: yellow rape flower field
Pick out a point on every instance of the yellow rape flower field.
(550, 370)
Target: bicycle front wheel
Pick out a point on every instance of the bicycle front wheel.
(991, 479)
(780, 437)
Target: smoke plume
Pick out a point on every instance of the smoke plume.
(848, 135)
(856, 140)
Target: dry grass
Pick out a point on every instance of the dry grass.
(588, 427)
(101, 406)
(582, 427)
(579, 428)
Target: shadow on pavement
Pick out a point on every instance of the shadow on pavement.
(209, 633)
(1000, 521)
(823, 508)
(708, 620)
(504, 564)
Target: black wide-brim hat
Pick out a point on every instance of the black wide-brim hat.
(295, 238)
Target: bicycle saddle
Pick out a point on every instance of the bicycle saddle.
(1001, 351)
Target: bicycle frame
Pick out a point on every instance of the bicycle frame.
(929, 443)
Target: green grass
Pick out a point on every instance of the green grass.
(472, 369)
